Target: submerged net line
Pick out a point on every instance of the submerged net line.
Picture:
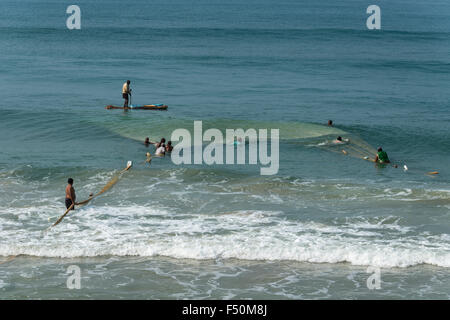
(358, 148)
(353, 147)
(357, 151)
(362, 145)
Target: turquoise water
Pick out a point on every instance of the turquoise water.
(198, 231)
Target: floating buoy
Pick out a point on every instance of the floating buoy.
(405, 167)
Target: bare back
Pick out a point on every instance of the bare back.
(70, 193)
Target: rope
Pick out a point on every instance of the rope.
(10, 258)
(108, 186)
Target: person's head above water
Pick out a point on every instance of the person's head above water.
(330, 122)
(339, 138)
(169, 143)
(70, 181)
(380, 149)
(147, 140)
(163, 140)
(128, 81)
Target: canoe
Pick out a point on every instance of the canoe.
(144, 107)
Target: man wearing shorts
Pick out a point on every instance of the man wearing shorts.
(125, 92)
(70, 194)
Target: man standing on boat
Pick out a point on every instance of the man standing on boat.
(125, 92)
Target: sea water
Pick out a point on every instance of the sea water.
(167, 231)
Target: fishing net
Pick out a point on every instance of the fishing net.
(351, 145)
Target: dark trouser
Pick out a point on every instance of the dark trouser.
(69, 203)
(125, 96)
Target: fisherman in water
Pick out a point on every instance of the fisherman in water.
(169, 147)
(70, 194)
(160, 143)
(382, 156)
(125, 92)
(339, 140)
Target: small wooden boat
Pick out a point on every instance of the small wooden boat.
(144, 107)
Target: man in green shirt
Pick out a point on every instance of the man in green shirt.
(382, 156)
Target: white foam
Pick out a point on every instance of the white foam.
(245, 234)
(3, 284)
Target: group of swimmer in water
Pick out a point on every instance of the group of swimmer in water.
(380, 157)
(161, 148)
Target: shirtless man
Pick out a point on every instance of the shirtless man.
(159, 144)
(125, 92)
(70, 194)
(338, 140)
(169, 147)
